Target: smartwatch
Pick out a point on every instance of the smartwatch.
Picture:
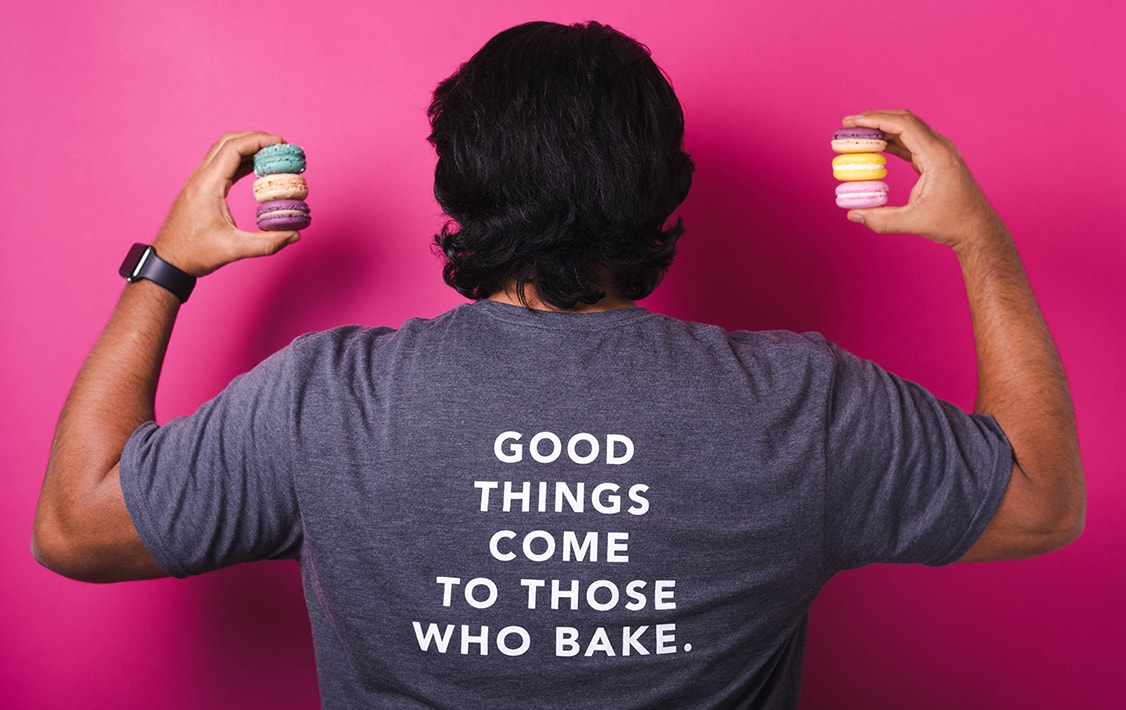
(142, 263)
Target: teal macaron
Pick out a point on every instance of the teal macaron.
(279, 158)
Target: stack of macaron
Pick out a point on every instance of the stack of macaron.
(860, 166)
(280, 188)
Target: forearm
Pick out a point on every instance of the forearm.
(112, 395)
(116, 387)
(1021, 382)
(1017, 360)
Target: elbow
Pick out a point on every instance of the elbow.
(50, 559)
(68, 563)
(78, 531)
(1034, 518)
(59, 547)
(45, 547)
(1067, 517)
(1074, 516)
(90, 542)
(49, 546)
(1074, 519)
(1057, 537)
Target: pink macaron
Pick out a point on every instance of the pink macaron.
(861, 195)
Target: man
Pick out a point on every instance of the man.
(551, 497)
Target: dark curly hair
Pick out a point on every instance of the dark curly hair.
(560, 161)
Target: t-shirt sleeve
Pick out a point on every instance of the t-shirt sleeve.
(909, 478)
(215, 488)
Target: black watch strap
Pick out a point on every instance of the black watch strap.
(142, 263)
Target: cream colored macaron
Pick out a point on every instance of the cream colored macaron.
(282, 186)
(859, 140)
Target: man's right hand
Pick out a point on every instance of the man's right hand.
(945, 204)
(199, 235)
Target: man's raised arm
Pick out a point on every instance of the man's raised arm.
(1021, 380)
(82, 528)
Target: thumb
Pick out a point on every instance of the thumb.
(882, 220)
(255, 244)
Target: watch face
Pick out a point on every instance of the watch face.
(133, 260)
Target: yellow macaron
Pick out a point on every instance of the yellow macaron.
(860, 166)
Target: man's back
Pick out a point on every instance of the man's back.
(508, 507)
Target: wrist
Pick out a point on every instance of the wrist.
(168, 251)
(983, 232)
(142, 262)
(147, 292)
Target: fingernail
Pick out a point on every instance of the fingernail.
(854, 216)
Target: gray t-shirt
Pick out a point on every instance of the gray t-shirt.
(506, 508)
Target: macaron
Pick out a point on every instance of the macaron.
(279, 158)
(861, 195)
(280, 186)
(280, 215)
(859, 166)
(859, 140)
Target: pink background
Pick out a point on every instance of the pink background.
(106, 107)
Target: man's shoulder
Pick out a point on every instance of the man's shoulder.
(340, 335)
(762, 340)
(351, 341)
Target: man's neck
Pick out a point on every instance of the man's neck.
(612, 301)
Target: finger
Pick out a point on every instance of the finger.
(249, 245)
(245, 168)
(223, 140)
(883, 220)
(894, 148)
(232, 159)
(276, 243)
(905, 130)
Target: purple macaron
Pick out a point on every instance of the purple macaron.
(859, 140)
(283, 215)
